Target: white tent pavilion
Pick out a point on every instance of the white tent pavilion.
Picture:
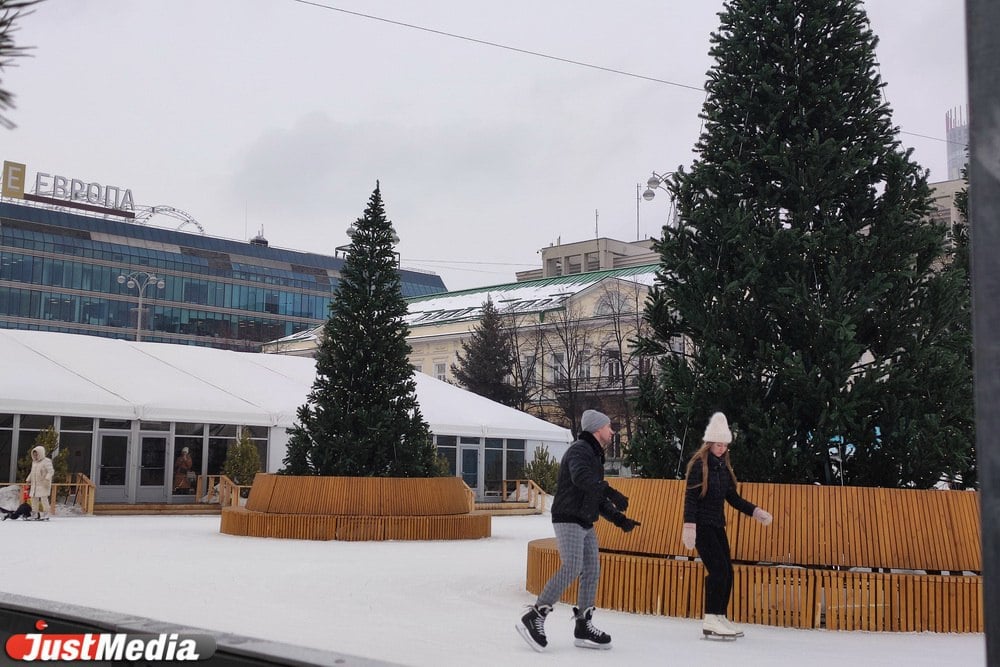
(66, 375)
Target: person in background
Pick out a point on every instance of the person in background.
(182, 465)
(581, 496)
(40, 480)
(710, 483)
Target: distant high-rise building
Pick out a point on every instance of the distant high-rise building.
(957, 133)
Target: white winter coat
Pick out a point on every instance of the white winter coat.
(41, 473)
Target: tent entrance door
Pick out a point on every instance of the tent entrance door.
(152, 487)
(112, 468)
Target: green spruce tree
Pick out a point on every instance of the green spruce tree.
(955, 385)
(487, 367)
(362, 417)
(804, 270)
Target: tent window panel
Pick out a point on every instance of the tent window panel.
(118, 424)
(6, 421)
(494, 443)
(37, 422)
(222, 430)
(154, 426)
(195, 449)
(6, 442)
(79, 446)
(445, 440)
(515, 464)
(26, 442)
(449, 454)
(183, 428)
(83, 424)
(258, 432)
(217, 449)
(494, 471)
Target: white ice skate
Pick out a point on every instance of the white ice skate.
(715, 627)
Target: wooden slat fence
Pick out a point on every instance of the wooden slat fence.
(847, 558)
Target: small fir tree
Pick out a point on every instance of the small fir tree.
(362, 417)
(804, 271)
(242, 461)
(543, 470)
(488, 364)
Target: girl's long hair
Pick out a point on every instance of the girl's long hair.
(701, 457)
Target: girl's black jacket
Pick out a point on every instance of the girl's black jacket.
(707, 510)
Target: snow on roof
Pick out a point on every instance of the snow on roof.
(66, 374)
(530, 296)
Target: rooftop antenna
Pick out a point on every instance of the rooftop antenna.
(597, 234)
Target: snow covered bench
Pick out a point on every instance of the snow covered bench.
(356, 508)
(849, 558)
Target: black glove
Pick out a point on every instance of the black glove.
(617, 498)
(625, 523)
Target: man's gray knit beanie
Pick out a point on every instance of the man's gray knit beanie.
(593, 420)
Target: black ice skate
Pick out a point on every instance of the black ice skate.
(532, 626)
(587, 636)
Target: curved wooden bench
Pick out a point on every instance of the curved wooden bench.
(848, 558)
(356, 508)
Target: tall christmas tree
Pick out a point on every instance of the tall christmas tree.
(362, 417)
(487, 366)
(804, 270)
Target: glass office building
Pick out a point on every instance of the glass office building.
(59, 271)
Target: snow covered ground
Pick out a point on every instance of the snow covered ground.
(413, 603)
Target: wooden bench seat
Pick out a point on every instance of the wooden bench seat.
(848, 558)
(357, 508)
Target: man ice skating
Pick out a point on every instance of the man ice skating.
(581, 496)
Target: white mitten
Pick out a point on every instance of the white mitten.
(689, 535)
(763, 516)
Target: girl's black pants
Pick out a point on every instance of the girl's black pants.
(713, 547)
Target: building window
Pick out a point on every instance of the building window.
(558, 367)
(528, 370)
(441, 371)
(645, 365)
(612, 364)
(583, 365)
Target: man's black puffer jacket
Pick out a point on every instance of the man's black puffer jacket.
(581, 491)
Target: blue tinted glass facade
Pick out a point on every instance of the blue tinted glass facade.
(59, 271)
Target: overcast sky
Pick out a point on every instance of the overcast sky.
(282, 114)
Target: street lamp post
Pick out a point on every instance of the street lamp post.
(656, 182)
(342, 250)
(139, 281)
